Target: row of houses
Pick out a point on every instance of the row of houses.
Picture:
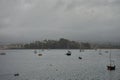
(12, 46)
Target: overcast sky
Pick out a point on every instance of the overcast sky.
(86, 20)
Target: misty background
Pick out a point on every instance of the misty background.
(79, 20)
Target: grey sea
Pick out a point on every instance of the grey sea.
(55, 65)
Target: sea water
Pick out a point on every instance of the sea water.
(55, 65)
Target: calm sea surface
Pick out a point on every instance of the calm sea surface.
(55, 65)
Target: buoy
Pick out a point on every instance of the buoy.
(56, 69)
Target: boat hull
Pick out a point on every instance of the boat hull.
(79, 57)
(111, 67)
(39, 54)
(68, 54)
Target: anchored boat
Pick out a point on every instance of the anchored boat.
(68, 53)
(2, 53)
(111, 66)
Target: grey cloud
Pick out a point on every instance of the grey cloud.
(28, 20)
(58, 5)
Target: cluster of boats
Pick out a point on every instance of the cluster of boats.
(111, 65)
(69, 54)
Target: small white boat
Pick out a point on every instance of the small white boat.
(35, 51)
(100, 52)
(68, 53)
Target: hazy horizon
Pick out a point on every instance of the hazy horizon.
(79, 20)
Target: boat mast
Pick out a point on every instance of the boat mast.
(110, 66)
(110, 54)
(80, 47)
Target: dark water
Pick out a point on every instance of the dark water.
(55, 65)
